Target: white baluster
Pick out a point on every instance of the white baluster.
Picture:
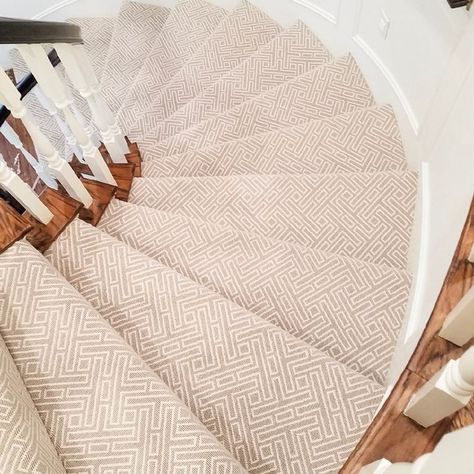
(40, 168)
(52, 85)
(82, 75)
(54, 112)
(11, 98)
(11, 183)
(447, 392)
(386, 467)
(453, 454)
(87, 126)
(471, 255)
(458, 326)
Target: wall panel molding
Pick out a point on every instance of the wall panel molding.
(53, 8)
(392, 81)
(331, 16)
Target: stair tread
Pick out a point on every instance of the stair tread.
(100, 403)
(97, 34)
(136, 29)
(236, 38)
(186, 28)
(256, 387)
(367, 216)
(367, 140)
(292, 53)
(350, 309)
(334, 88)
(26, 446)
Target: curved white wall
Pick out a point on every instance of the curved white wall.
(424, 67)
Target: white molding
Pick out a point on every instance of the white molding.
(418, 294)
(390, 78)
(53, 8)
(327, 15)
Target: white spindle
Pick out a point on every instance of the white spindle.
(48, 104)
(81, 83)
(40, 168)
(458, 327)
(60, 169)
(453, 454)
(447, 392)
(11, 183)
(52, 85)
(86, 66)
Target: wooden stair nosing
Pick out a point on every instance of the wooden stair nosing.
(13, 226)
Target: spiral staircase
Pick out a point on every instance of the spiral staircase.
(235, 307)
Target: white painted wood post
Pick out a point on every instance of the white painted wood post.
(55, 88)
(48, 104)
(60, 169)
(448, 391)
(86, 66)
(453, 454)
(12, 183)
(41, 169)
(82, 82)
(458, 326)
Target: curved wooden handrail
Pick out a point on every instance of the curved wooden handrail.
(392, 435)
(27, 84)
(21, 31)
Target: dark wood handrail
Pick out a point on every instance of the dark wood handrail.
(27, 84)
(20, 31)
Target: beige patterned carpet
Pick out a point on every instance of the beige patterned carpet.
(240, 312)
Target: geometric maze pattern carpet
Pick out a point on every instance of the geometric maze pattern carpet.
(240, 312)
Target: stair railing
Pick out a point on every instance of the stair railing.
(10, 97)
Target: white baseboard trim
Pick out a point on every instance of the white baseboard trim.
(53, 8)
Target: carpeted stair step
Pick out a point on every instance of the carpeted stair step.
(349, 309)
(188, 25)
(136, 29)
(367, 140)
(97, 34)
(237, 37)
(25, 443)
(293, 52)
(101, 404)
(275, 402)
(335, 88)
(367, 216)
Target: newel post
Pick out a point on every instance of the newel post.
(53, 86)
(11, 98)
(80, 72)
(458, 326)
(447, 392)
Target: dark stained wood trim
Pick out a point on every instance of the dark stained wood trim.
(392, 435)
(13, 226)
(102, 194)
(134, 156)
(122, 173)
(64, 208)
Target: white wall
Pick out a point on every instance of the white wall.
(424, 68)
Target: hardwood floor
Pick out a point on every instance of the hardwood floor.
(392, 435)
